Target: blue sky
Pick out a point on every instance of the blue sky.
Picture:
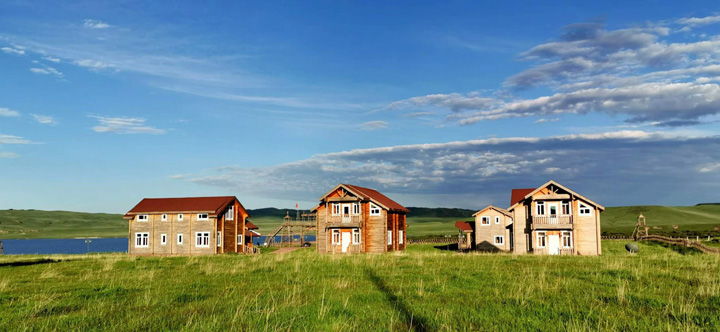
(435, 104)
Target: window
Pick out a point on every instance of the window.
(400, 237)
(202, 216)
(336, 209)
(142, 217)
(335, 236)
(374, 210)
(164, 217)
(356, 208)
(566, 241)
(163, 239)
(497, 220)
(230, 213)
(240, 239)
(142, 240)
(179, 239)
(219, 239)
(389, 237)
(485, 221)
(356, 235)
(566, 208)
(202, 239)
(499, 239)
(584, 210)
(180, 217)
(540, 208)
(541, 236)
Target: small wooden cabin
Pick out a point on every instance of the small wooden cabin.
(354, 219)
(188, 226)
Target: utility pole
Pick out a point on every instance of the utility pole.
(87, 244)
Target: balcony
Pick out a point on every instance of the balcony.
(552, 222)
(344, 221)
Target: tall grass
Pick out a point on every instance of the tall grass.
(423, 289)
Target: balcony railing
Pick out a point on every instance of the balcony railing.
(345, 219)
(552, 220)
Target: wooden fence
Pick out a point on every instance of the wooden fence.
(447, 240)
(682, 242)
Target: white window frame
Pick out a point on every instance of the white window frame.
(485, 221)
(203, 216)
(230, 213)
(203, 238)
(389, 237)
(375, 210)
(497, 220)
(335, 209)
(563, 236)
(356, 209)
(401, 236)
(582, 207)
(143, 217)
(538, 207)
(542, 235)
(180, 238)
(335, 236)
(163, 239)
(562, 208)
(219, 239)
(180, 217)
(142, 240)
(356, 238)
(240, 239)
(502, 240)
(163, 217)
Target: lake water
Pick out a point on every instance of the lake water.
(78, 246)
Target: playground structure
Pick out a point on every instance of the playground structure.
(292, 227)
(641, 229)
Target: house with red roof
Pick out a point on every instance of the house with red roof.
(354, 219)
(548, 220)
(190, 226)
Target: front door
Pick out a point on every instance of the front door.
(346, 212)
(553, 213)
(345, 241)
(553, 244)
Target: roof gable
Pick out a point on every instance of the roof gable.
(464, 226)
(371, 195)
(518, 195)
(551, 182)
(503, 211)
(211, 205)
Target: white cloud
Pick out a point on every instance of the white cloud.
(699, 21)
(4, 111)
(11, 50)
(491, 167)
(710, 168)
(124, 125)
(374, 125)
(51, 59)
(454, 101)
(92, 64)
(9, 155)
(44, 119)
(47, 71)
(546, 120)
(92, 24)
(11, 139)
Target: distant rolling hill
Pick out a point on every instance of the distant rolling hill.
(690, 221)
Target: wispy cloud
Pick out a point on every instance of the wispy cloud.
(93, 24)
(373, 125)
(44, 119)
(47, 71)
(698, 21)
(11, 50)
(92, 64)
(11, 139)
(544, 120)
(124, 125)
(51, 59)
(4, 111)
(9, 155)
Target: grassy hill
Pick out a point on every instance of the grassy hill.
(422, 289)
(690, 220)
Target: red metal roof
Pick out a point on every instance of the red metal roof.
(250, 225)
(212, 205)
(519, 194)
(464, 226)
(376, 196)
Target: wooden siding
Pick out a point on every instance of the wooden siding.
(484, 236)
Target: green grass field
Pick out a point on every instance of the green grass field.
(691, 220)
(423, 289)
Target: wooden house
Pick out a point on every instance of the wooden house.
(354, 219)
(547, 220)
(188, 226)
